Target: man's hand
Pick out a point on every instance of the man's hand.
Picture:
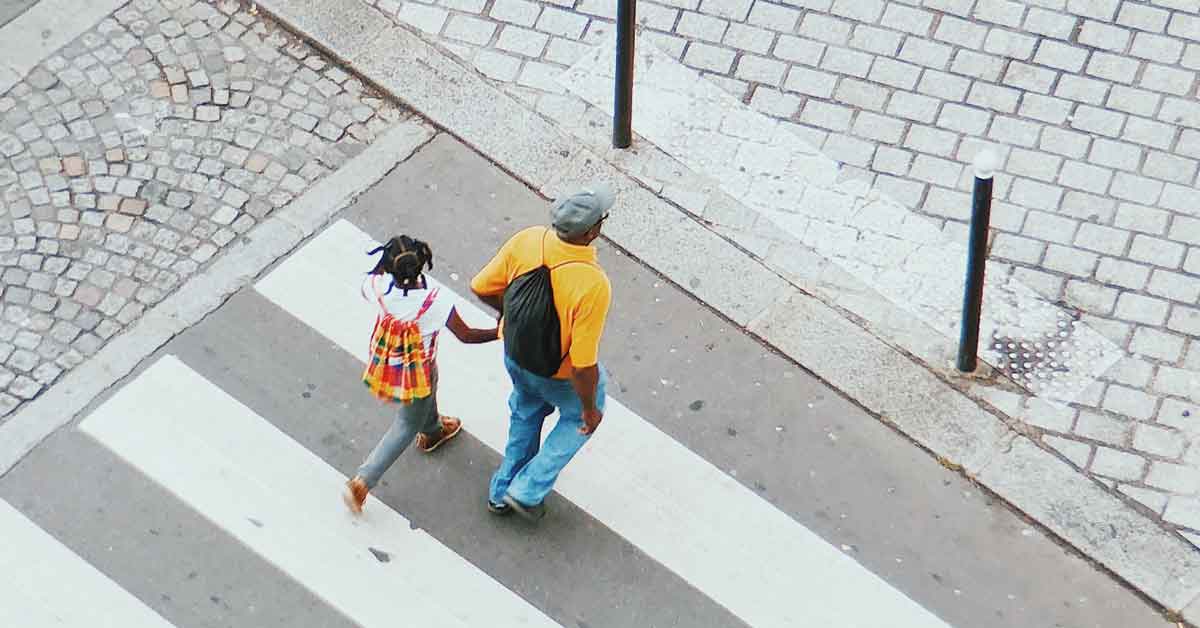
(591, 421)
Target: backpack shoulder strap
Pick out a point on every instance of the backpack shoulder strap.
(429, 299)
(378, 296)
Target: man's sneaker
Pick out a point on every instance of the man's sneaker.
(530, 513)
(355, 495)
(501, 509)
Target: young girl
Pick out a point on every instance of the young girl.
(397, 285)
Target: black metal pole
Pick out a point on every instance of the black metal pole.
(981, 214)
(623, 108)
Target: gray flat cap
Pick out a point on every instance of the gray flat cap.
(573, 215)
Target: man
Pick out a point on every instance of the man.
(581, 297)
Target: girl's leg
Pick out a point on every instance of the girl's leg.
(411, 418)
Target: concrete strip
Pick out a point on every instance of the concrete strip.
(851, 359)
(205, 292)
(43, 29)
(1076, 508)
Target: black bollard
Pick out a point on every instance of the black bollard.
(981, 215)
(623, 102)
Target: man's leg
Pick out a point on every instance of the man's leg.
(536, 479)
(528, 412)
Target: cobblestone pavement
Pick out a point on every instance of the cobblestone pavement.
(1092, 104)
(130, 158)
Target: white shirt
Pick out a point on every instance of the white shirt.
(406, 307)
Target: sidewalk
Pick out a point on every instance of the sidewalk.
(139, 158)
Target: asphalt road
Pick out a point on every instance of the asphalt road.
(804, 448)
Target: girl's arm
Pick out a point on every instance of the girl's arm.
(469, 335)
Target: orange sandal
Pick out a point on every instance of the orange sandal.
(355, 495)
(450, 428)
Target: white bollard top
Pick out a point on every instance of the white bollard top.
(985, 163)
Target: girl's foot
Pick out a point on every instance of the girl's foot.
(355, 495)
(450, 429)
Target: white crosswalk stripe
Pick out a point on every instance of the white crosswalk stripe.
(45, 585)
(680, 510)
(280, 500)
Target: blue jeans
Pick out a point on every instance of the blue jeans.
(530, 467)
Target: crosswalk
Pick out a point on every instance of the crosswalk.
(237, 470)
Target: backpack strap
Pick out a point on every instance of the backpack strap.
(433, 294)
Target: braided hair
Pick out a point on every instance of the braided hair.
(405, 259)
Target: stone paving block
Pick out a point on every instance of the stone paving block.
(1069, 261)
(1135, 188)
(827, 115)
(519, 12)
(926, 53)
(906, 18)
(1061, 56)
(1063, 142)
(825, 28)
(773, 16)
(1184, 25)
(700, 26)
(1157, 344)
(1132, 100)
(1185, 320)
(810, 82)
(522, 41)
(736, 10)
(1050, 23)
(1082, 89)
(426, 18)
(1112, 67)
(1106, 36)
(930, 140)
(861, 94)
(1094, 298)
(710, 58)
(1118, 465)
(653, 16)
(1102, 239)
(849, 62)
(748, 38)
(1174, 286)
(1128, 401)
(1157, 251)
(1142, 309)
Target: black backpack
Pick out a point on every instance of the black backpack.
(532, 331)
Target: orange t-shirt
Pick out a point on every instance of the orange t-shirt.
(582, 292)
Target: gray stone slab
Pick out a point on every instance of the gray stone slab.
(345, 29)
(1156, 562)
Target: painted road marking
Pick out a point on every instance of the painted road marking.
(282, 501)
(679, 509)
(43, 584)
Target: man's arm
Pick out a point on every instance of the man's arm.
(586, 380)
(585, 348)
